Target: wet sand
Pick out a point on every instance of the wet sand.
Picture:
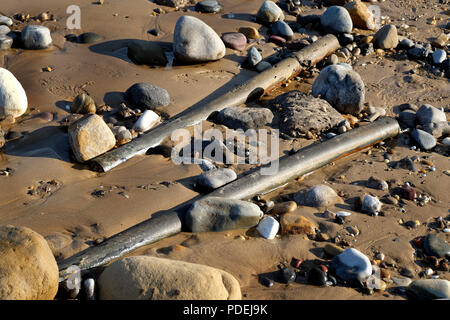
(104, 72)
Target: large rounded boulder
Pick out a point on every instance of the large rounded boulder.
(13, 99)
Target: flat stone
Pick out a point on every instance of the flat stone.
(429, 289)
(284, 207)
(234, 40)
(153, 278)
(336, 19)
(245, 118)
(342, 87)
(208, 6)
(5, 42)
(27, 266)
(219, 214)
(146, 95)
(282, 29)
(90, 137)
(300, 113)
(194, 41)
(215, 178)
(435, 246)
(250, 32)
(437, 129)
(425, 140)
(146, 53)
(408, 118)
(402, 282)
(387, 37)
(13, 99)
(263, 66)
(269, 13)
(36, 37)
(253, 57)
(268, 227)
(88, 37)
(277, 40)
(318, 196)
(292, 223)
(427, 113)
(352, 265)
(361, 16)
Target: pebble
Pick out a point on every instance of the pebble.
(343, 214)
(5, 42)
(262, 66)
(208, 6)
(146, 53)
(268, 227)
(266, 281)
(371, 204)
(342, 87)
(440, 41)
(277, 40)
(408, 118)
(6, 21)
(245, 117)
(378, 184)
(215, 178)
(352, 265)
(439, 56)
(336, 19)
(235, 40)
(89, 287)
(253, 57)
(219, 214)
(427, 114)
(88, 37)
(282, 29)
(446, 141)
(293, 223)
(317, 276)
(4, 30)
(333, 59)
(287, 275)
(318, 196)
(284, 207)
(13, 99)
(332, 250)
(146, 121)
(436, 246)
(83, 104)
(250, 32)
(269, 13)
(387, 37)
(147, 96)
(407, 43)
(36, 37)
(425, 140)
(360, 14)
(194, 41)
(429, 289)
(402, 282)
(408, 192)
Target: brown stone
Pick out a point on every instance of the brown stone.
(384, 273)
(366, 40)
(292, 223)
(250, 32)
(28, 269)
(332, 249)
(90, 137)
(440, 41)
(360, 14)
(284, 207)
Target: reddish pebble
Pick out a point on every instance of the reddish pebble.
(235, 40)
(298, 262)
(324, 269)
(277, 40)
(418, 242)
(408, 192)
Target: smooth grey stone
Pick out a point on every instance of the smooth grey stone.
(407, 43)
(220, 214)
(435, 246)
(318, 196)
(36, 37)
(428, 289)
(245, 118)
(336, 19)
(417, 51)
(88, 37)
(195, 41)
(378, 184)
(215, 178)
(371, 204)
(300, 113)
(408, 118)
(342, 87)
(282, 29)
(5, 42)
(4, 30)
(352, 265)
(269, 13)
(387, 37)
(145, 95)
(427, 113)
(263, 66)
(6, 21)
(439, 56)
(437, 129)
(345, 38)
(253, 57)
(208, 6)
(406, 163)
(425, 140)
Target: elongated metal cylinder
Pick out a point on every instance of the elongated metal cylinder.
(251, 89)
(304, 161)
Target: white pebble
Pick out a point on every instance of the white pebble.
(446, 230)
(446, 141)
(146, 121)
(89, 287)
(343, 214)
(429, 271)
(268, 227)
